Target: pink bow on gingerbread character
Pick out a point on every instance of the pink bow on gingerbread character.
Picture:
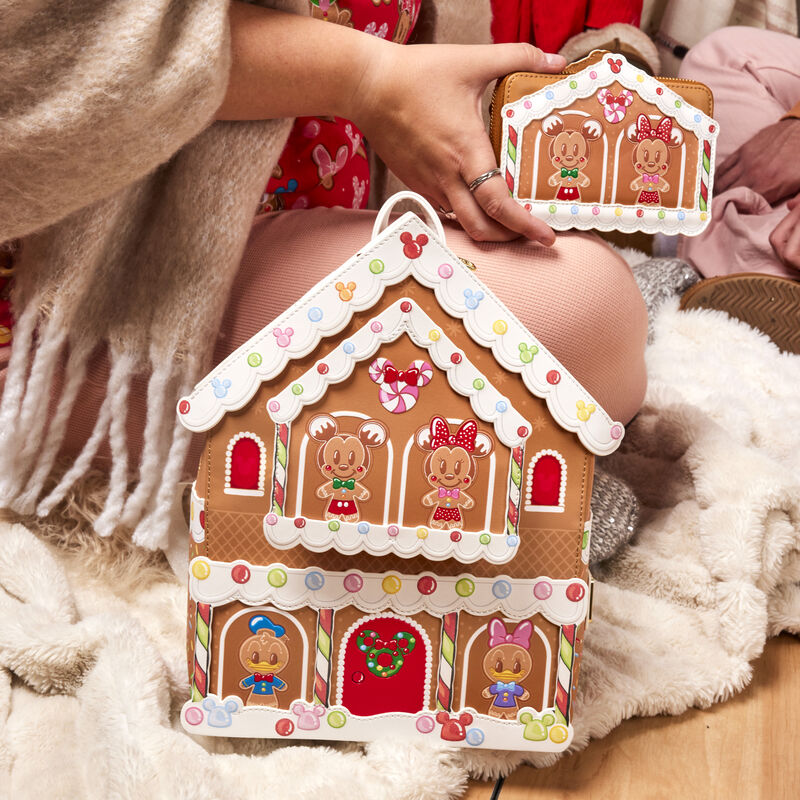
(498, 633)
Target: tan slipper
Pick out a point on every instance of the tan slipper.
(765, 302)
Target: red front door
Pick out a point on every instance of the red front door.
(384, 670)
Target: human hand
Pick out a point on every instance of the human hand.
(419, 107)
(768, 163)
(785, 238)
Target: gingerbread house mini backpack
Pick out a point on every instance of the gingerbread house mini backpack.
(390, 523)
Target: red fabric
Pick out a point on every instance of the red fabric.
(245, 464)
(366, 694)
(548, 25)
(546, 481)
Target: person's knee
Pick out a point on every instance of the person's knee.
(605, 349)
(720, 48)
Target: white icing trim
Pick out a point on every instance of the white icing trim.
(262, 465)
(259, 722)
(521, 603)
(202, 409)
(197, 504)
(435, 544)
(612, 216)
(362, 345)
(562, 491)
(342, 648)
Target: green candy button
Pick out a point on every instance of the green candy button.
(254, 359)
(336, 719)
(376, 266)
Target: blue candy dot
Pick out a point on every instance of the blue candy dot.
(513, 540)
(681, 215)
(315, 580)
(315, 314)
(574, 209)
(363, 527)
(697, 118)
(475, 736)
(501, 589)
(501, 406)
(549, 95)
(348, 347)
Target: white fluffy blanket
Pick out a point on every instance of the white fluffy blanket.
(92, 671)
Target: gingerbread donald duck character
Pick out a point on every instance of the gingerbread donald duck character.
(651, 156)
(264, 655)
(450, 468)
(507, 664)
(569, 154)
(344, 460)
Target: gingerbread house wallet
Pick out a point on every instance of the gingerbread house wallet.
(606, 146)
(390, 526)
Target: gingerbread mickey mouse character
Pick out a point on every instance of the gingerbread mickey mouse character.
(264, 655)
(344, 460)
(569, 154)
(507, 664)
(450, 468)
(651, 156)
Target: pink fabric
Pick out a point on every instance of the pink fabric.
(755, 77)
(578, 297)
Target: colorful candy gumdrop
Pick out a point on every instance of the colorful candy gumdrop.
(535, 729)
(454, 729)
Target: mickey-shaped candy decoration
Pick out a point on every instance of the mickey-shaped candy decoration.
(399, 389)
(454, 729)
(507, 663)
(450, 468)
(264, 655)
(344, 460)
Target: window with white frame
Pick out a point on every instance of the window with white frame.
(245, 465)
(546, 484)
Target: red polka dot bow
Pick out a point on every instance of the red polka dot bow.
(463, 437)
(645, 130)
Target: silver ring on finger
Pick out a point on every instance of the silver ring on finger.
(483, 178)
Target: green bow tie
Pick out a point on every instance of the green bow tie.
(569, 173)
(351, 484)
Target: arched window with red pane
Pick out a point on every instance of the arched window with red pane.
(245, 465)
(546, 484)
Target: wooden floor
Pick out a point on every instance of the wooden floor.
(748, 747)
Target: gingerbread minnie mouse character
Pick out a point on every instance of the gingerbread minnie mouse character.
(651, 156)
(344, 460)
(507, 664)
(569, 154)
(264, 655)
(450, 468)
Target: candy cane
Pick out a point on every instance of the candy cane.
(323, 660)
(279, 477)
(511, 149)
(705, 176)
(444, 692)
(515, 480)
(566, 658)
(202, 636)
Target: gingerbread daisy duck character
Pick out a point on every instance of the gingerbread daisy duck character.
(450, 468)
(344, 460)
(264, 655)
(651, 156)
(507, 663)
(569, 154)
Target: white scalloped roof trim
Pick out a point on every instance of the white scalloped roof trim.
(519, 601)
(582, 215)
(263, 357)
(366, 342)
(406, 542)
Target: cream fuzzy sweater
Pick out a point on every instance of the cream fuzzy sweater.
(134, 210)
